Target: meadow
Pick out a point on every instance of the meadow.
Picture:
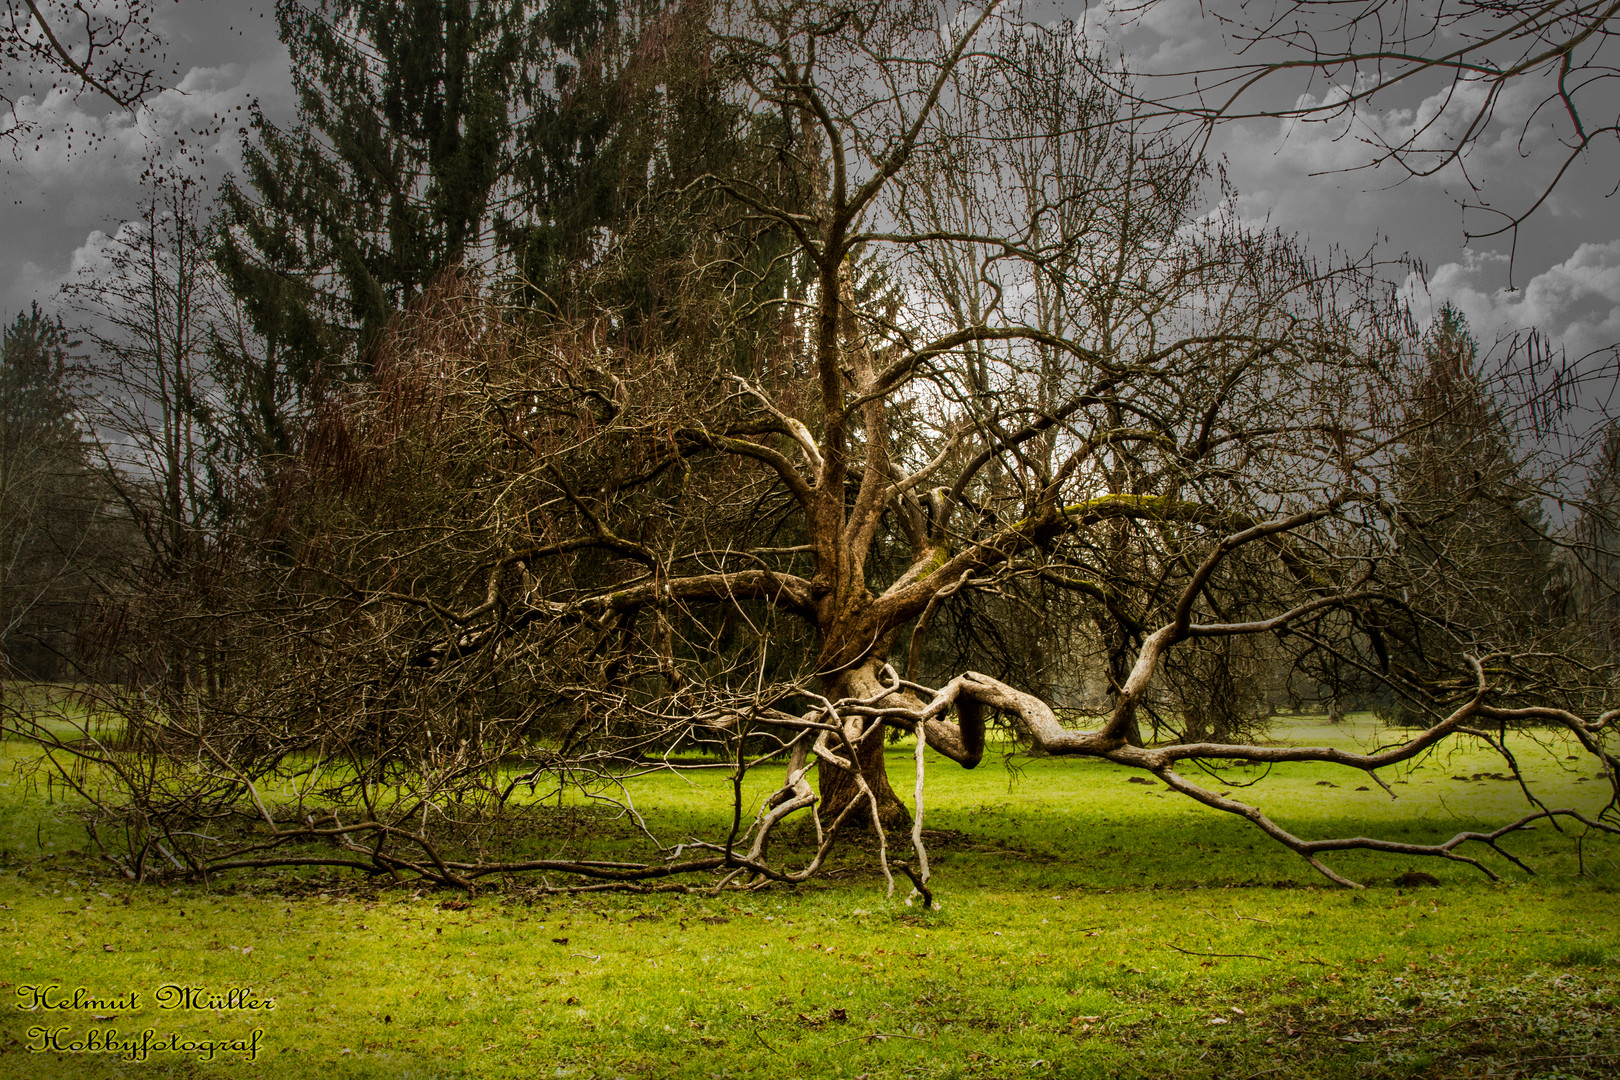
(1089, 926)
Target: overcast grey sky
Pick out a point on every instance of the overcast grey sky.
(65, 194)
(66, 191)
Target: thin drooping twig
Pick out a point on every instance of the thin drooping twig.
(1234, 956)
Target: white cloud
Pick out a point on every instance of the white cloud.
(1575, 303)
(196, 123)
(1499, 140)
(81, 177)
(1167, 35)
(91, 261)
(94, 257)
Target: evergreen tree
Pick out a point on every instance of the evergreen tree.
(560, 144)
(52, 519)
(1470, 540)
(432, 134)
(36, 407)
(385, 180)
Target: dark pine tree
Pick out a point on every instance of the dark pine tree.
(1470, 538)
(54, 520)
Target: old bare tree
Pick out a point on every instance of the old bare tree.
(1020, 363)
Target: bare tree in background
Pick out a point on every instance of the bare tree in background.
(154, 316)
(1025, 351)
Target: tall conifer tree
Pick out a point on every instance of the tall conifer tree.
(1470, 536)
(521, 135)
(385, 180)
(52, 520)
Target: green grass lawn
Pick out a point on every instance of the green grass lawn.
(1089, 926)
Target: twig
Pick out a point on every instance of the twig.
(1229, 955)
(877, 1035)
(920, 883)
(1471, 1020)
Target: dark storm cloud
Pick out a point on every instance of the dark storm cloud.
(74, 184)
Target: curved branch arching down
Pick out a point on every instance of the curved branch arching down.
(963, 742)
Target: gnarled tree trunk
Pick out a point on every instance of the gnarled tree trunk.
(840, 786)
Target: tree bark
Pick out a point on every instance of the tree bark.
(838, 787)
